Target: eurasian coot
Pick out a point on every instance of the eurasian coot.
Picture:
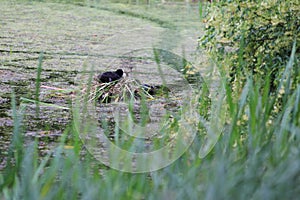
(107, 77)
(153, 89)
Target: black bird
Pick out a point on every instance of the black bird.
(107, 77)
(153, 89)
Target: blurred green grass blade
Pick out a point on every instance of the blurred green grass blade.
(200, 9)
(25, 100)
(38, 85)
(15, 149)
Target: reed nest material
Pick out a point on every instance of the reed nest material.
(118, 91)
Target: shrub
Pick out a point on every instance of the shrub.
(255, 35)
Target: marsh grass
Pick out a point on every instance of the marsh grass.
(256, 156)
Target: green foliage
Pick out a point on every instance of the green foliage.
(256, 37)
(257, 156)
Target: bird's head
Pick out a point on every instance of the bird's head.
(120, 72)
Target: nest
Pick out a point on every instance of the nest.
(121, 90)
